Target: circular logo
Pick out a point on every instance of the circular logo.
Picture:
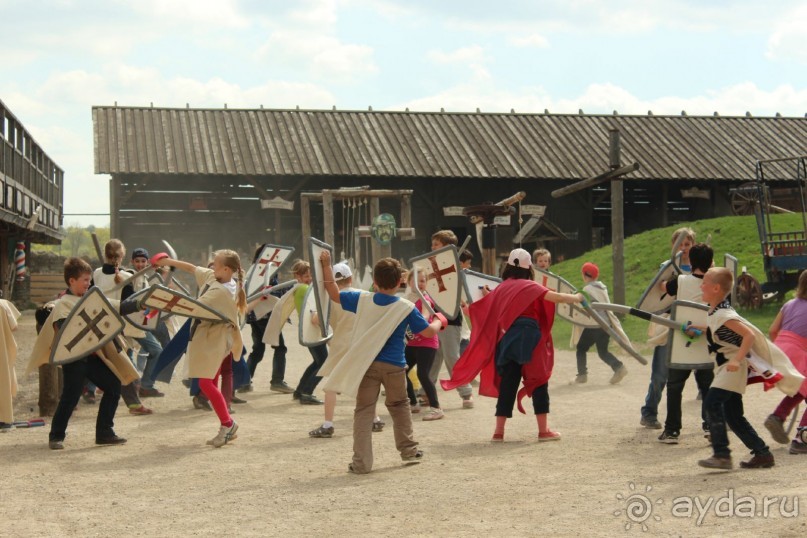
(638, 507)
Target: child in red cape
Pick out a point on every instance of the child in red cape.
(511, 340)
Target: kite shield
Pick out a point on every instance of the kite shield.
(443, 280)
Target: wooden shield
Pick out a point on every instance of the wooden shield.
(654, 299)
(311, 333)
(731, 263)
(145, 319)
(167, 300)
(569, 312)
(270, 260)
(473, 283)
(321, 298)
(683, 353)
(443, 280)
(91, 324)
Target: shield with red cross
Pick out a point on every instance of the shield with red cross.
(443, 280)
(91, 324)
(145, 320)
(165, 299)
(268, 262)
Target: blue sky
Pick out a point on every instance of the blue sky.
(65, 56)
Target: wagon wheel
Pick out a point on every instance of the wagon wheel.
(744, 199)
(749, 292)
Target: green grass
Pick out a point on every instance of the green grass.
(644, 253)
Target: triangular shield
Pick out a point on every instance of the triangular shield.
(167, 300)
(91, 324)
(310, 332)
(321, 298)
(443, 280)
(474, 282)
(144, 319)
(567, 311)
(269, 261)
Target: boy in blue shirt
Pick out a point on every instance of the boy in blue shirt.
(376, 358)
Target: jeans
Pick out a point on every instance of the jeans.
(259, 349)
(600, 338)
(152, 347)
(74, 373)
(310, 379)
(676, 379)
(726, 408)
(658, 378)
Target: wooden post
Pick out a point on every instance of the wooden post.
(305, 216)
(114, 209)
(617, 222)
(327, 216)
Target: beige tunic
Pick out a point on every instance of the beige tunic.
(105, 282)
(8, 356)
(212, 341)
(280, 314)
(342, 323)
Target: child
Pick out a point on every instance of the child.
(596, 336)
(449, 350)
(542, 259)
(789, 332)
(687, 288)
(731, 338)
(148, 341)
(213, 342)
(514, 325)
(8, 356)
(376, 358)
(658, 368)
(107, 368)
(420, 351)
(309, 380)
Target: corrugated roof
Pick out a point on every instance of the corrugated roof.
(266, 142)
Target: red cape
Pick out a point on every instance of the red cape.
(491, 316)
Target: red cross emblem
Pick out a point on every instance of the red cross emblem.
(171, 303)
(266, 261)
(437, 273)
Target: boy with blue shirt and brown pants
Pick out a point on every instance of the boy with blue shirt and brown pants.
(376, 358)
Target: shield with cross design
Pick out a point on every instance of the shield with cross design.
(144, 319)
(268, 262)
(570, 312)
(164, 299)
(443, 280)
(91, 324)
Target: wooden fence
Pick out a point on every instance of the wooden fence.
(46, 286)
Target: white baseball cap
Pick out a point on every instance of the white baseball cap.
(341, 271)
(519, 258)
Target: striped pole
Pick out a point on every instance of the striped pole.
(19, 259)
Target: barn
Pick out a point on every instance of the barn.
(209, 178)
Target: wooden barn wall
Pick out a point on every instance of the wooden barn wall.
(197, 213)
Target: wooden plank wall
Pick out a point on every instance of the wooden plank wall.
(45, 287)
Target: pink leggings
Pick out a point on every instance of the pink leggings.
(787, 405)
(210, 388)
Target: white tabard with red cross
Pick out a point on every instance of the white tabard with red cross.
(269, 261)
(92, 323)
(443, 279)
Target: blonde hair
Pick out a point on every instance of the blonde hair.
(446, 237)
(687, 232)
(114, 251)
(722, 277)
(537, 253)
(230, 258)
(300, 267)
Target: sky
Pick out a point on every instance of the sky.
(61, 57)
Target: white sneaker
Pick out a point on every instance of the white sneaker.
(224, 436)
(433, 414)
(468, 403)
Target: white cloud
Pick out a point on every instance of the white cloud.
(531, 40)
(215, 13)
(789, 37)
(324, 56)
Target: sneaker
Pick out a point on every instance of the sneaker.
(237, 400)
(434, 413)
(310, 399)
(225, 435)
(468, 403)
(423, 400)
(56, 445)
(150, 393)
(758, 461)
(798, 448)
(414, 408)
(619, 375)
(322, 432)
(200, 402)
(283, 387)
(88, 397)
(245, 388)
(378, 426)
(110, 440)
(140, 410)
(668, 437)
(716, 462)
(650, 423)
(581, 378)
(775, 425)
(417, 457)
(187, 383)
(548, 436)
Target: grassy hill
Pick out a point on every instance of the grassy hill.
(644, 252)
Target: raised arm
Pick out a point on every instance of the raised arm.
(555, 297)
(327, 277)
(182, 266)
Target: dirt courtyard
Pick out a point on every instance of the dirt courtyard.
(607, 476)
